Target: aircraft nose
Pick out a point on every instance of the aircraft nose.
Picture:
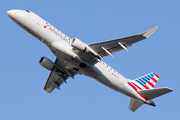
(12, 13)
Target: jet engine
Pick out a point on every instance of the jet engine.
(47, 63)
(78, 44)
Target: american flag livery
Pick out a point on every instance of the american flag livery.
(145, 82)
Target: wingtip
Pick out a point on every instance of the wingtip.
(149, 32)
(170, 90)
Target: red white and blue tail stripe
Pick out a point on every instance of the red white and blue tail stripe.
(145, 82)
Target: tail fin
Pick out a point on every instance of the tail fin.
(146, 82)
(145, 87)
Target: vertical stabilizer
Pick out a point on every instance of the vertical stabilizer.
(146, 82)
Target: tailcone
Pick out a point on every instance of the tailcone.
(151, 103)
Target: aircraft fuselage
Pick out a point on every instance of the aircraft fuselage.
(60, 45)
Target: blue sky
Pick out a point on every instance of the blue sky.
(23, 79)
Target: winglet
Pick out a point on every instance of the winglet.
(149, 32)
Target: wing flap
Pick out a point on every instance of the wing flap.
(156, 92)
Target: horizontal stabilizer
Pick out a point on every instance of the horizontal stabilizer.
(134, 104)
(156, 92)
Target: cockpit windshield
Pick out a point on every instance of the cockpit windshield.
(27, 11)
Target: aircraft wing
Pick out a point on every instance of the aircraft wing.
(55, 80)
(112, 46)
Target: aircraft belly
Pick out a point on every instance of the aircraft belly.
(71, 60)
(115, 82)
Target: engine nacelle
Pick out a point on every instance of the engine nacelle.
(78, 44)
(47, 63)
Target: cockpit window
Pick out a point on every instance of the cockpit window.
(27, 11)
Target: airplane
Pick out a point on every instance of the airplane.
(76, 57)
